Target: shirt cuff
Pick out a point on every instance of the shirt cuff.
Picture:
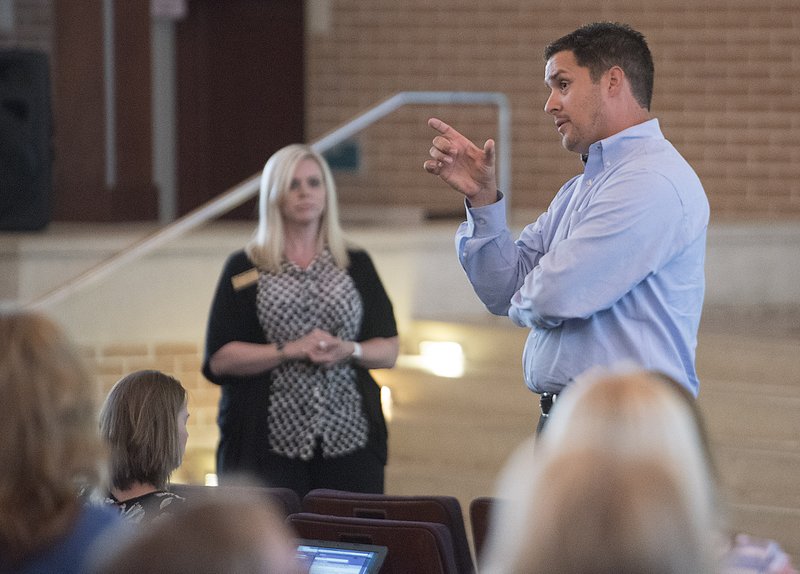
(488, 220)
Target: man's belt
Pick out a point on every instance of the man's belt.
(546, 402)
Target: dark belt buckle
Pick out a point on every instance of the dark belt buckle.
(546, 402)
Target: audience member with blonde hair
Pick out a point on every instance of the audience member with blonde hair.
(584, 478)
(602, 516)
(228, 532)
(143, 421)
(740, 553)
(620, 422)
(49, 450)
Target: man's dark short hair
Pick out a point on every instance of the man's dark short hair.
(603, 45)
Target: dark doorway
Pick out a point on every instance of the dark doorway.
(240, 93)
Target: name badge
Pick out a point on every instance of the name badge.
(244, 279)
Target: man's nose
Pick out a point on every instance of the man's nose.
(552, 104)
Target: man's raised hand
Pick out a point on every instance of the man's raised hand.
(462, 165)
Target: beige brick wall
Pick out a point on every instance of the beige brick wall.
(727, 91)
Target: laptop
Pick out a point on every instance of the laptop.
(327, 557)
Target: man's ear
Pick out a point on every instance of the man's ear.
(615, 78)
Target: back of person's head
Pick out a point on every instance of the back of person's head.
(597, 515)
(633, 414)
(226, 531)
(602, 45)
(266, 246)
(139, 421)
(625, 419)
(49, 446)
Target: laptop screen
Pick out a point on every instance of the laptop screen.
(326, 557)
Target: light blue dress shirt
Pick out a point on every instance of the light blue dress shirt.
(612, 272)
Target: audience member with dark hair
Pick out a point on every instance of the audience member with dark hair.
(298, 320)
(49, 450)
(228, 532)
(143, 421)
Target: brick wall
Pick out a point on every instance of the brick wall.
(727, 91)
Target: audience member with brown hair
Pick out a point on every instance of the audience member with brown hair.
(228, 531)
(49, 450)
(143, 420)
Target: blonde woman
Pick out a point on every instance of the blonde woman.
(298, 319)
(48, 452)
(143, 421)
(621, 472)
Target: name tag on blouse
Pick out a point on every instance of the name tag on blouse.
(244, 279)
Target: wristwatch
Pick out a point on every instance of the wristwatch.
(356, 351)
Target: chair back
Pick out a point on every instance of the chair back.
(480, 514)
(284, 501)
(445, 510)
(412, 546)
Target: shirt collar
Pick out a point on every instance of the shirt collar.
(613, 148)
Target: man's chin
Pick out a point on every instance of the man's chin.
(568, 144)
(573, 146)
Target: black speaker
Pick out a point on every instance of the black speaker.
(26, 151)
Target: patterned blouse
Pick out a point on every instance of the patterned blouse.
(311, 404)
(148, 508)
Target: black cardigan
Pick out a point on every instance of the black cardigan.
(243, 407)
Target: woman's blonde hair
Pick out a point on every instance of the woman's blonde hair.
(49, 447)
(266, 248)
(624, 421)
(597, 515)
(139, 421)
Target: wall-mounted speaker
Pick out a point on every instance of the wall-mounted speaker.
(26, 148)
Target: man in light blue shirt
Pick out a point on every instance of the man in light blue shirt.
(613, 270)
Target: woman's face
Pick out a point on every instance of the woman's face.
(183, 433)
(304, 202)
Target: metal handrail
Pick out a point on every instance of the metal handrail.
(248, 188)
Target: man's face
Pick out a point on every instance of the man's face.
(575, 102)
